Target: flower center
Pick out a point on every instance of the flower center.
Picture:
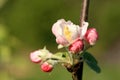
(67, 33)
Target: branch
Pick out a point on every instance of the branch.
(84, 11)
(77, 74)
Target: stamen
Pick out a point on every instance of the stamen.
(67, 33)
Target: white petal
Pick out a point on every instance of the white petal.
(70, 31)
(56, 28)
(60, 46)
(83, 29)
(74, 31)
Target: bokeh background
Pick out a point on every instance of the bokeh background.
(25, 25)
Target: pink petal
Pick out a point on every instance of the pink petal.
(91, 36)
(35, 57)
(61, 40)
(76, 46)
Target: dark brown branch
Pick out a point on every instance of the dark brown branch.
(77, 75)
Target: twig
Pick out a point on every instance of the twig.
(78, 69)
(84, 11)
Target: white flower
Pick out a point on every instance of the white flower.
(67, 32)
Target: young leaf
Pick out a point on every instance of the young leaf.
(91, 62)
(89, 57)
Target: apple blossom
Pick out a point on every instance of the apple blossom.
(67, 32)
(46, 67)
(38, 55)
(76, 46)
(91, 36)
(35, 56)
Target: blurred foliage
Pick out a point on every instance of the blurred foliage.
(25, 25)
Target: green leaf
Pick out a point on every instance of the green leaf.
(89, 57)
(91, 62)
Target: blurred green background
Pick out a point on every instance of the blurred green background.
(25, 25)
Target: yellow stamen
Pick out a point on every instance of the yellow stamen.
(67, 33)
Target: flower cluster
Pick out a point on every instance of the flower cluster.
(73, 37)
(38, 56)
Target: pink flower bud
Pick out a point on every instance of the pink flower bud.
(91, 36)
(76, 46)
(46, 67)
(35, 57)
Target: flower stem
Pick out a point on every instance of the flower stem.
(70, 56)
